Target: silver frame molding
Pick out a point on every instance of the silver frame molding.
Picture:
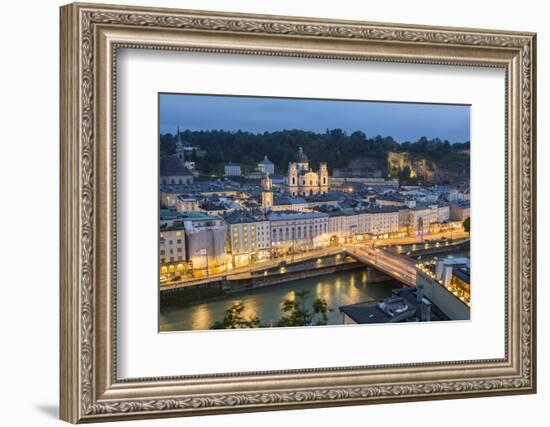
(90, 37)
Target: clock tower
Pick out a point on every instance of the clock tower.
(267, 193)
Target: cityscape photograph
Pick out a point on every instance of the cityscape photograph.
(285, 212)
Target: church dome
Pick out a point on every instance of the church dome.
(301, 157)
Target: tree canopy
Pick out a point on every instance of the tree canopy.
(335, 146)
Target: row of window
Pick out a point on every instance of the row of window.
(172, 259)
(179, 181)
(285, 234)
(171, 242)
(163, 252)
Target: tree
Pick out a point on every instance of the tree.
(466, 225)
(233, 318)
(297, 312)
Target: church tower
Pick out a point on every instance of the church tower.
(267, 193)
(180, 147)
(292, 178)
(323, 178)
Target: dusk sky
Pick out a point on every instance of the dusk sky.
(402, 121)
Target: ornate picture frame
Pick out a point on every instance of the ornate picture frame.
(90, 37)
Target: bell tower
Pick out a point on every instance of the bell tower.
(323, 178)
(292, 178)
(267, 193)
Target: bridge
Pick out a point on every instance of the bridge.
(390, 263)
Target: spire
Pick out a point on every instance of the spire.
(179, 140)
(179, 146)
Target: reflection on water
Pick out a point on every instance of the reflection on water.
(342, 288)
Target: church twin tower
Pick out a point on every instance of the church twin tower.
(302, 181)
(299, 181)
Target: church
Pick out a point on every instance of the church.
(303, 181)
(173, 168)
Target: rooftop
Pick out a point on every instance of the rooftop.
(244, 216)
(171, 214)
(282, 216)
(400, 307)
(281, 200)
(172, 166)
(462, 273)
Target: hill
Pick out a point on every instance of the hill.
(430, 161)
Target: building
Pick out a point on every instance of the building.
(342, 226)
(267, 193)
(404, 305)
(172, 254)
(266, 166)
(248, 237)
(395, 200)
(186, 203)
(173, 171)
(379, 220)
(293, 232)
(232, 169)
(367, 182)
(454, 274)
(460, 211)
(205, 237)
(454, 306)
(283, 203)
(443, 212)
(302, 180)
(421, 219)
(172, 167)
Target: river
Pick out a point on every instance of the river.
(341, 288)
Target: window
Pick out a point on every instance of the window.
(178, 241)
(162, 252)
(293, 181)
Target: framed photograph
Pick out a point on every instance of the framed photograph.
(266, 212)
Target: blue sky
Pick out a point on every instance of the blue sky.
(402, 121)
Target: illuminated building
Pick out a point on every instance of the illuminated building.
(266, 166)
(301, 180)
(293, 232)
(248, 237)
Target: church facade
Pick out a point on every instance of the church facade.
(301, 180)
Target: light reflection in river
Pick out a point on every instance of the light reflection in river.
(342, 288)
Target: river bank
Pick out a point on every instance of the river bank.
(339, 288)
(213, 290)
